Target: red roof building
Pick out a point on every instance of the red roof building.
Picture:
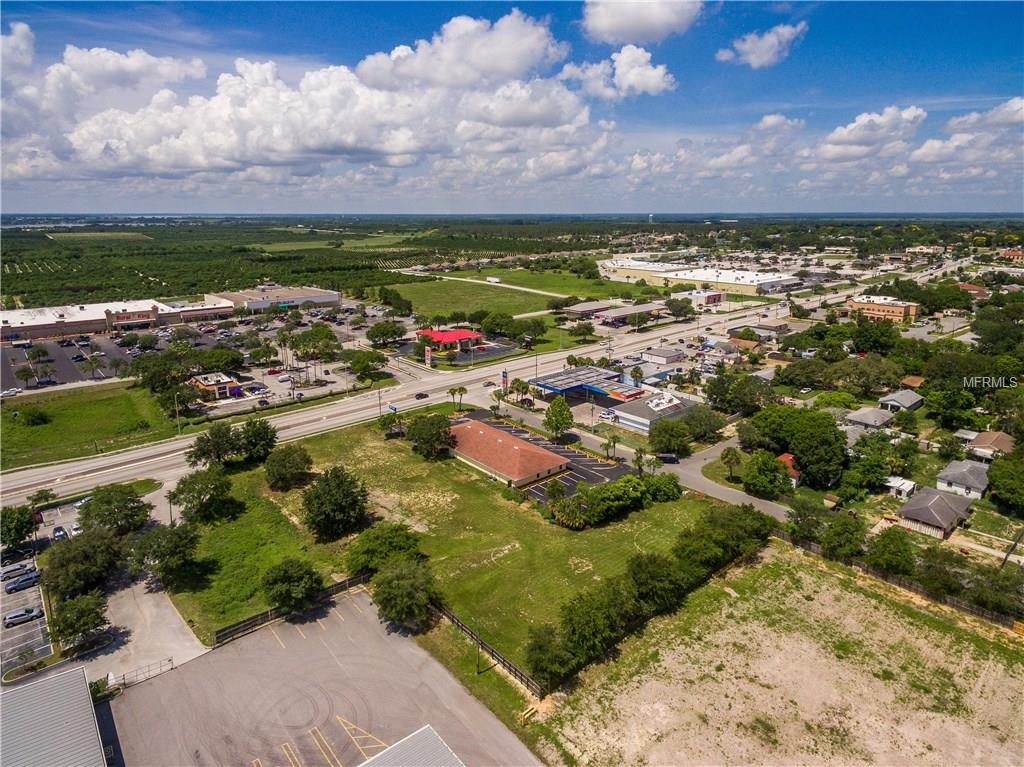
(794, 475)
(444, 339)
(509, 459)
(977, 291)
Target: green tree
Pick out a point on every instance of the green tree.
(80, 564)
(118, 508)
(766, 476)
(819, 450)
(292, 584)
(17, 523)
(892, 551)
(403, 590)
(637, 374)
(656, 582)
(941, 570)
(1006, 478)
(378, 544)
(287, 466)
(548, 661)
(78, 618)
(558, 418)
(951, 448)
(806, 518)
(669, 435)
(704, 423)
(165, 551)
(582, 330)
(384, 333)
(554, 491)
(256, 438)
(430, 435)
(334, 505)
(202, 493)
(731, 458)
(997, 589)
(842, 536)
(215, 445)
(365, 362)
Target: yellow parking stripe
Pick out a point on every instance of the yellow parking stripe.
(300, 632)
(292, 755)
(355, 604)
(276, 637)
(339, 615)
(320, 623)
(322, 744)
(257, 763)
(361, 739)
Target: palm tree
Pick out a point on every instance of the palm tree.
(92, 365)
(639, 460)
(44, 371)
(499, 397)
(116, 365)
(452, 392)
(23, 374)
(732, 458)
(653, 463)
(461, 390)
(609, 445)
(637, 374)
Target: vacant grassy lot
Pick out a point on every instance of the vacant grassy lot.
(444, 296)
(107, 417)
(96, 236)
(290, 245)
(566, 283)
(501, 567)
(793, 660)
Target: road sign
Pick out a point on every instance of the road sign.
(504, 380)
(428, 355)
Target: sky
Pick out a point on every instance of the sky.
(570, 107)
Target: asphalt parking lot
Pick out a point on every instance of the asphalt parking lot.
(582, 466)
(29, 637)
(335, 689)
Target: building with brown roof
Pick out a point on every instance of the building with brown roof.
(990, 444)
(503, 456)
(875, 308)
(912, 382)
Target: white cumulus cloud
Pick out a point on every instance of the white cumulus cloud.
(638, 21)
(629, 72)
(766, 50)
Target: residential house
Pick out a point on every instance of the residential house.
(990, 444)
(794, 475)
(900, 487)
(912, 382)
(934, 513)
(870, 418)
(978, 292)
(966, 478)
(965, 435)
(904, 399)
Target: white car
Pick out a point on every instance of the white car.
(805, 390)
(284, 378)
(607, 415)
(10, 392)
(75, 529)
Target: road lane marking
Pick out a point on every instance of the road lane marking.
(321, 743)
(277, 637)
(292, 755)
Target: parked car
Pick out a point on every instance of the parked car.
(78, 358)
(11, 555)
(805, 390)
(22, 615)
(274, 371)
(65, 342)
(284, 379)
(75, 529)
(24, 582)
(667, 457)
(489, 383)
(59, 534)
(421, 395)
(607, 415)
(263, 403)
(16, 571)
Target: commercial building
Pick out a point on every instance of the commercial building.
(51, 722)
(702, 298)
(934, 513)
(215, 385)
(877, 308)
(424, 748)
(57, 321)
(503, 456)
(588, 379)
(663, 274)
(662, 356)
(966, 478)
(587, 309)
(449, 339)
(276, 296)
(623, 314)
(639, 414)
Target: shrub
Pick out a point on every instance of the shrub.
(30, 415)
(334, 505)
(662, 487)
(403, 591)
(292, 584)
(378, 544)
(287, 466)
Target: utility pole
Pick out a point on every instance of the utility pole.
(380, 404)
(177, 416)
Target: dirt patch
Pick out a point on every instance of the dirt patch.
(784, 662)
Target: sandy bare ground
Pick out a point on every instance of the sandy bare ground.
(793, 662)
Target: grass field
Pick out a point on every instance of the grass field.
(444, 296)
(108, 417)
(566, 283)
(500, 566)
(96, 236)
(795, 660)
(285, 247)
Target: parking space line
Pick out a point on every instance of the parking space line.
(276, 637)
(355, 604)
(339, 615)
(301, 634)
(292, 755)
(257, 763)
(322, 744)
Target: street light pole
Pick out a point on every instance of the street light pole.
(177, 417)
(380, 404)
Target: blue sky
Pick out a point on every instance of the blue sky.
(532, 107)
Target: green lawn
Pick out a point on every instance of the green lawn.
(107, 417)
(289, 245)
(502, 567)
(566, 283)
(717, 472)
(445, 296)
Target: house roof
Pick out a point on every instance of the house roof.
(587, 306)
(448, 336)
(912, 381)
(654, 407)
(904, 398)
(423, 748)
(506, 455)
(51, 722)
(853, 433)
(663, 351)
(787, 458)
(765, 375)
(993, 440)
(623, 312)
(900, 483)
(743, 343)
(965, 434)
(935, 508)
(870, 416)
(972, 474)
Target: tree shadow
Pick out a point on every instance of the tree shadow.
(196, 575)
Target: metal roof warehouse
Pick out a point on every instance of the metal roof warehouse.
(607, 383)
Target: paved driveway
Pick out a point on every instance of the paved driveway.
(333, 689)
